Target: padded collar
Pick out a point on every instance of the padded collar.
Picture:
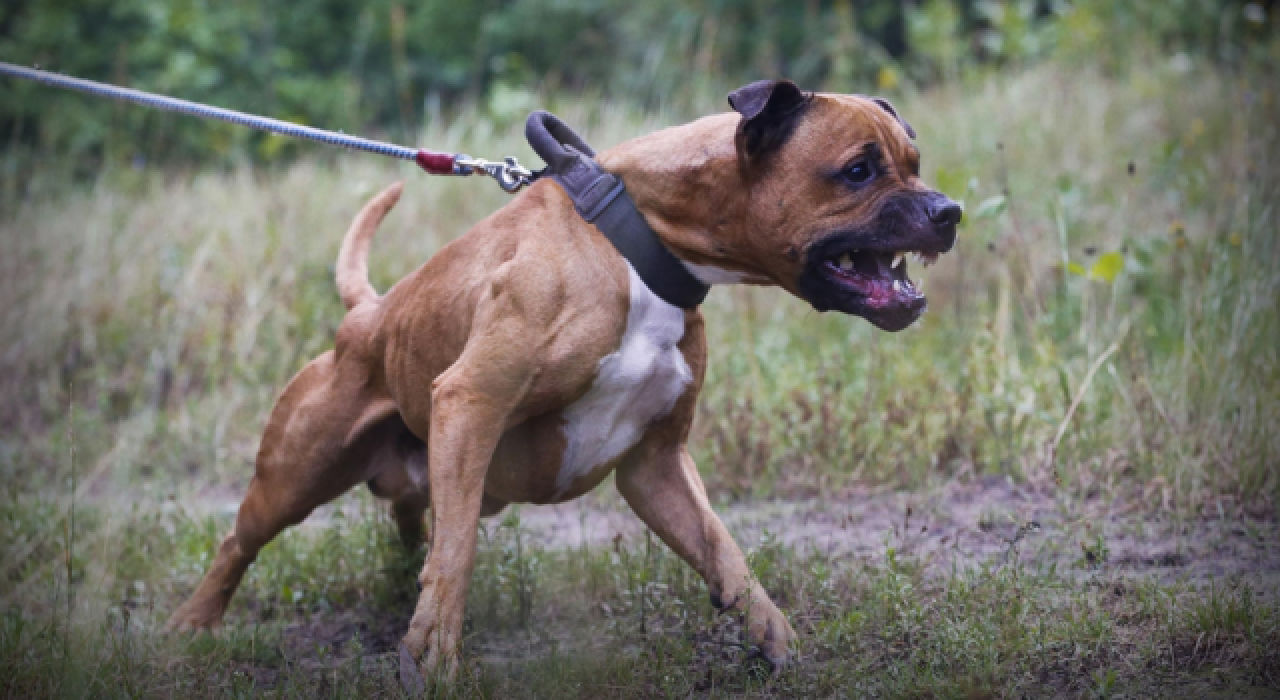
(600, 198)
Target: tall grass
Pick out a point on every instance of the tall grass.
(150, 319)
(1059, 170)
(177, 304)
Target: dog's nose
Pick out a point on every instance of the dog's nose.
(944, 212)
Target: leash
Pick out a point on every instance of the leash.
(509, 174)
(599, 197)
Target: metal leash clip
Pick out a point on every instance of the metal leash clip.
(511, 176)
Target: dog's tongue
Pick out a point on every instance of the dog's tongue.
(890, 289)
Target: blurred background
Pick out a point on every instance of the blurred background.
(163, 276)
(1101, 357)
(390, 66)
(168, 274)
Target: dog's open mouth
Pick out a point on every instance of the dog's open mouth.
(862, 270)
(869, 282)
(880, 277)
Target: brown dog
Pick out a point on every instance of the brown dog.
(527, 359)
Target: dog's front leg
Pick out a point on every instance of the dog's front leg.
(662, 485)
(466, 424)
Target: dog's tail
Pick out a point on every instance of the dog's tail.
(352, 269)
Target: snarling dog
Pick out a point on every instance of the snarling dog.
(527, 359)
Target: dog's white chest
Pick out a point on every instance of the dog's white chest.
(634, 386)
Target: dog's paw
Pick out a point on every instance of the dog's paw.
(770, 632)
(429, 653)
(436, 669)
(192, 619)
(410, 676)
(778, 643)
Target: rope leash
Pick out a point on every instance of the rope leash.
(509, 174)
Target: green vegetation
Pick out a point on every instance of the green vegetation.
(1104, 336)
(394, 66)
(869, 629)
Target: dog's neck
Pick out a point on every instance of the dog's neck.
(682, 194)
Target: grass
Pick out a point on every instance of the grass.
(628, 619)
(150, 318)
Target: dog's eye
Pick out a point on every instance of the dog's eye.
(859, 173)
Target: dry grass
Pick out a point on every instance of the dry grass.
(175, 306)
(150, 318)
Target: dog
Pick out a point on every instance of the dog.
(527, 360)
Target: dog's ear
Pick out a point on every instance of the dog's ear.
(770, 110)
(884, 104)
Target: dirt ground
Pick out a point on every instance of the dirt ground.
(986, 521)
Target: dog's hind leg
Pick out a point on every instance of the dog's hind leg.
(401, 477)
(318, 443)
(410, 499)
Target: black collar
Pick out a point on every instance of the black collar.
(601, 199)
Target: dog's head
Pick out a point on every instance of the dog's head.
(835, 204)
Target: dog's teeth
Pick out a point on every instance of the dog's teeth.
(846, 262)
(897, 286)
(897, 260)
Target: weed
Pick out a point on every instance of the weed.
(1095, 553)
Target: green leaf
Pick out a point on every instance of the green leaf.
(1076, 269)
(1064, 383)
(951, 182)
(1108, 266)
(990, 207)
